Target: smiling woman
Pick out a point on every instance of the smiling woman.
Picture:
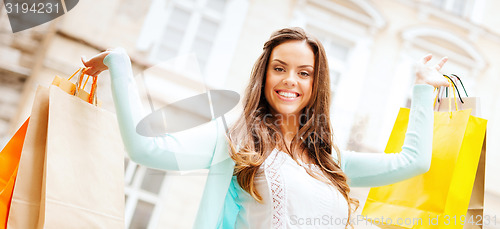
(289, 77)
(278, 164)
(294, 107)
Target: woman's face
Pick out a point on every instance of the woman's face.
(289, 77)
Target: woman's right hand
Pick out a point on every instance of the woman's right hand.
(428, 74)
(95, 64)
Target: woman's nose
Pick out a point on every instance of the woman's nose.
(290, 80)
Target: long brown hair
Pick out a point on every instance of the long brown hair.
(256, 133)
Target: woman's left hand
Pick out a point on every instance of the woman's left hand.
(95, 65)
(427, 74)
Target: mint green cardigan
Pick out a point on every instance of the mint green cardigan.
(205, 147)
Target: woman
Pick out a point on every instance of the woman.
(279, 166)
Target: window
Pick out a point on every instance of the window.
(175, 30)
(207, 28)
(337, 51)
(457, 7)
(191, 27)
(346, 29)
(143, 187)
(466, 11)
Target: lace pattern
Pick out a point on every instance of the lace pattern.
(276, 185)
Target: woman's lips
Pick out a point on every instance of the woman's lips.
(287, 99)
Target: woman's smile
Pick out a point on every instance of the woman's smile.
(287, 95)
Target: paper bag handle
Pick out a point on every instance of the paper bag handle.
(459, 80)
(78, 87)
(452, 82)
(438, 95)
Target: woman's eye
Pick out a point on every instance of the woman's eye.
(278, 69)
(304, 74)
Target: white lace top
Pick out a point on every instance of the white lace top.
(292, 198)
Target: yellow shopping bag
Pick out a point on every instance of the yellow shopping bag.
(440, 197)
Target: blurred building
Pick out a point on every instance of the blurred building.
(371, 46)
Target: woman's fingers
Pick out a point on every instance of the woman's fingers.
(426, 58)
(443, 81)
(93, 71)
(95, 64)
(441, 63)
(427, 74)
(84, 60)
(90, 62)
(97, 73)
(90, 71)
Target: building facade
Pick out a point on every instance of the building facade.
(199, 44)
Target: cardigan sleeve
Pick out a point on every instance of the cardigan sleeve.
(185, 150)
(378, 169)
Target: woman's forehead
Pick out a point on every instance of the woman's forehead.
(293, 53)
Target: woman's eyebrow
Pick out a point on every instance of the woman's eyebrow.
(284, 63)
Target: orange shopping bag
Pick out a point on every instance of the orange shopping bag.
(9, 161)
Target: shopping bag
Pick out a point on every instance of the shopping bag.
(83, 183)
(9, 161)
(474, 217)
(440, 197)
(77, 168)
(25, 204)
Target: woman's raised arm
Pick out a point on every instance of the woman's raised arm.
(184, 150)
(378, 169)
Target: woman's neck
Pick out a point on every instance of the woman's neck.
(289, 125)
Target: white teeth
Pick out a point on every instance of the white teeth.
(288, 94)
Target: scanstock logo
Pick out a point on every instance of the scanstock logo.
(26, 14)
(187, 112)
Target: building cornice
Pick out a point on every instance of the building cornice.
(474, 30)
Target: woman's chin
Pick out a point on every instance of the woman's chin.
(288, 112)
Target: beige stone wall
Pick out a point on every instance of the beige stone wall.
(18, 55)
